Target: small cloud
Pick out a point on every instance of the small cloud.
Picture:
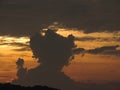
(85, 38)
(22, 49)
(78, 50)
(105, 50)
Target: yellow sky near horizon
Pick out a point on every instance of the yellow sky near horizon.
(90, 67)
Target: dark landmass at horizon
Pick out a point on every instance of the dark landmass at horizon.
(83, 86)
(8, 86)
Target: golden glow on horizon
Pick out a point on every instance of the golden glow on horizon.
(100, 38)
(65, 32)
(89, 67)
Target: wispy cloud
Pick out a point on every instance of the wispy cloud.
(100, 39)
(17, 43)
(105, 50)
(22, 49)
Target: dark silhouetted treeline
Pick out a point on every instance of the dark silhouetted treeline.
(8, 86)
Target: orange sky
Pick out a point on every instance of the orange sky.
(90, 67)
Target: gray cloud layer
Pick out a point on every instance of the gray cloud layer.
(23, 17)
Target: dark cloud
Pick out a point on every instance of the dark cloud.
(21, 70)
(53, 52)
(23, 17)
(105, 50)
(78, 50)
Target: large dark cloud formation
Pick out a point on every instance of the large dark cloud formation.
(53, 52)
(22, 17)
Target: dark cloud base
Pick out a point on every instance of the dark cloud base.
(26, 17)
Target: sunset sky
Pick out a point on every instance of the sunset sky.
(94, 23)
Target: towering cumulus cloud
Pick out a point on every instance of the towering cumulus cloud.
(53, 52)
